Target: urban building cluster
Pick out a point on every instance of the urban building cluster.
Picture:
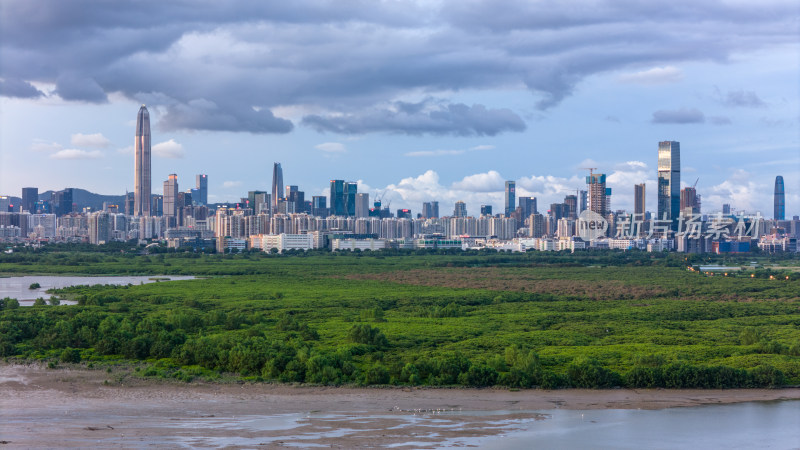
(284, 218)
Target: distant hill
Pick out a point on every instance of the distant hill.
(83, 198)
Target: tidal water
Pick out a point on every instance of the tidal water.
(17, 287)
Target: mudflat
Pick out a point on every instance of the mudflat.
(78, 407)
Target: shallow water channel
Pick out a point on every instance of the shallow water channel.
(19, 287)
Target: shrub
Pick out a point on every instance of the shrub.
(366, 334)
(70, 355)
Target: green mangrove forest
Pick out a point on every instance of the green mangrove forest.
(537, 319)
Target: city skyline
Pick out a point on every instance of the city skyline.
(459, 99)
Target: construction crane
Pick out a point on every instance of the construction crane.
(694, 186)
(590, 169)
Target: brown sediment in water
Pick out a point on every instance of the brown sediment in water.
(42, 407)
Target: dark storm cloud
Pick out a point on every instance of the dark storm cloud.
(351, 56)
(14, 87)
(205, 115)
(679, 116)
(422, 118)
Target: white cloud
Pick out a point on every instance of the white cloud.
(96, 140)
(331, 147)
(481, 182)
(41, 145)
(231, 184)
(656, 75)
(444, 152)
(74, 153)
(168, 149)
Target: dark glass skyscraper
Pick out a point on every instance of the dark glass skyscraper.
(639, 199)
(30, 196)
(142, 181)
(202, 190)
(511, 188)
(780, 199)
(277, 185)
(669, 181)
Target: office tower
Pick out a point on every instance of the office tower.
(460, 209)
(486, 210)
(558, 211)
(157, 205)
(61, 202)
(572, 206)
(171, 198)
(337, 198)
(202, 190)
(669, 181)
(528, 205)
(5, 204)
(362, 204)
(319, 206)
(511, 200)
(404, 213)
(30, 196)
(598, 193)
(277, 185)
(296, 197)
(690, 201)
(255, 199)
(142, 181)
(780, 200)
(129, 203)
(582, 201)
(427, 211)
(726, 208)
(638, 199)
(434, 210)
(350, 191)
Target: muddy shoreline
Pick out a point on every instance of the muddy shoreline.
(81, 406)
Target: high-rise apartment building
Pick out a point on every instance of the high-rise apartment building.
(460, 209)
(362, 204)
(598, 193)
(142, 177)
(690, 201)
(780, 200)
(202, 190)
(638, 199)
(669, 181)
(171, 198)
(277, 185)
(30, 195)
(510, 197)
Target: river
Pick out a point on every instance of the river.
(19, 287)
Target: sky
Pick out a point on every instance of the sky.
(417, 101)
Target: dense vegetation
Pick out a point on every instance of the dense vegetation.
(475, 319)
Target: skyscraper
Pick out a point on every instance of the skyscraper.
(690, 201)
(638, 199)
(572, 206)
(30, 196)
(142, 181)
(528, 205)
(669, 181)
(460, 209)
(598, 193)
(337, 198)
(202, 189)
(486, 210)
(277, 185)
(435, 209)
(780, 199)
(171, 199)
(511, 200)
(362, 204)
(350, 191)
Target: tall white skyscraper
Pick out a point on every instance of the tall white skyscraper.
(142, 178)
